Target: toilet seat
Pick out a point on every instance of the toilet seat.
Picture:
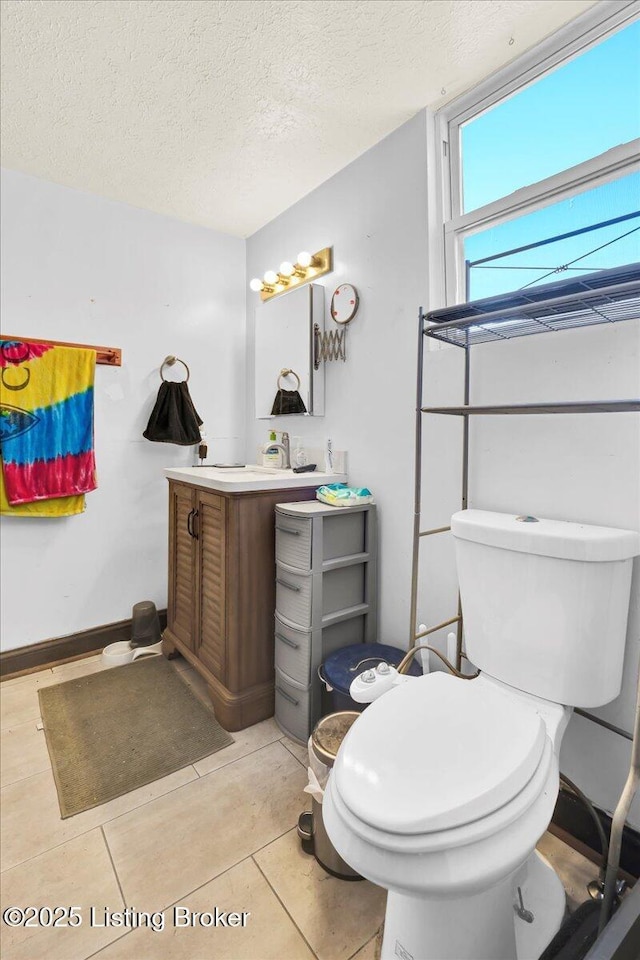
(545, 777)
(438, 753)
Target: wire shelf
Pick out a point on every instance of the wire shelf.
(572, 406)
(607, 296)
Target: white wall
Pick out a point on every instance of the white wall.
(373, 213)
(80, 268)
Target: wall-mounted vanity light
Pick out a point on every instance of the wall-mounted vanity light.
(307, 267)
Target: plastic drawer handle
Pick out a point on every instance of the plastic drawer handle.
(294, 533)
(289, 586)
(287, 696)
(289, 643)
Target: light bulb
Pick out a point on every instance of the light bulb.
(271, 277)
(287, 269)
(304, 259)
(256, 285)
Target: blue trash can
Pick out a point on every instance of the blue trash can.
(341, 668)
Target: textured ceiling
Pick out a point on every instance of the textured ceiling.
(226, 113)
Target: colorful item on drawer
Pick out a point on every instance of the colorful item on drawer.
(340, 495)
(46, 428)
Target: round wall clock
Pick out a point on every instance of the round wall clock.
(344, 303)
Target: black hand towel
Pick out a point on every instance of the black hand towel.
(287, 401)
(174, 418)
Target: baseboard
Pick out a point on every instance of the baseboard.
(574, 821)
(14, 663)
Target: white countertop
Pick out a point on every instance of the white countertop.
(251, 477)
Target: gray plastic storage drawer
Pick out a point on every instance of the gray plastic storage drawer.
(343, 588)
(293, 652)
(293, 701)
(293, 541)
(293, 595)
(326, 562)
(343, 535)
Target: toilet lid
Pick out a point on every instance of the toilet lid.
(437, 752)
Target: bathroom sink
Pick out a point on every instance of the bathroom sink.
(253, 476)
(247, 471)
(241, 469)
(260, 469)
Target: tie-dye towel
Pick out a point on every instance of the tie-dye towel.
(46, 428)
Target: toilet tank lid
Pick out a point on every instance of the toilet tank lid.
(547, 538)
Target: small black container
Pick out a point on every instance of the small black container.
(145, 624)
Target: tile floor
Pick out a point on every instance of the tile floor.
(219, 833)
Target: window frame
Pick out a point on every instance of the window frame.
(567, 43)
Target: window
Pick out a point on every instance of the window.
(593, 230)
(541, 169)
(577, 111)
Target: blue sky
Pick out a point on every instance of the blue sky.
(580, 110)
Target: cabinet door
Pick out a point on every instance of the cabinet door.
(211, 583)
(181, 608)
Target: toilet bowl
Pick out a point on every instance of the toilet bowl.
(443, 786)
(454, 828)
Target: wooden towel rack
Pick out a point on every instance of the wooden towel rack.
(112, 356)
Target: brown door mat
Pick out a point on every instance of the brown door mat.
(114, 731)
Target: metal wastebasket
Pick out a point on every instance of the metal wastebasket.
(324, 743)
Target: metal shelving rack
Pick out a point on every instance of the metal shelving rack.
(608, 296)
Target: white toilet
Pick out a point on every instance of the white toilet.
(443, 786)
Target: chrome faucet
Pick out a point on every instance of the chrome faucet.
(284, 448)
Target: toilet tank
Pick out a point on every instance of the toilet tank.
(545, 603)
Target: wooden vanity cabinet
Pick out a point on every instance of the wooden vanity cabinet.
(222, 594)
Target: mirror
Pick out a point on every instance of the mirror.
(284, 337)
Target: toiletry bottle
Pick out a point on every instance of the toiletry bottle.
(271, 457)
(298, 455)
(328, 456)
(203, 447)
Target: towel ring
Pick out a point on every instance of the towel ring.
(169, 362)
(287, 373)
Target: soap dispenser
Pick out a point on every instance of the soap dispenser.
(271, 456)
